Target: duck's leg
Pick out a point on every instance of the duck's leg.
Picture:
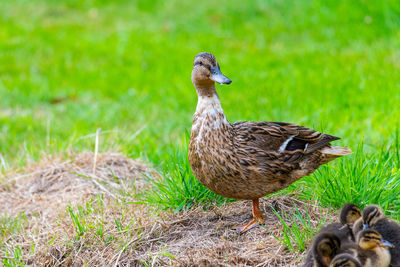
(257, 218)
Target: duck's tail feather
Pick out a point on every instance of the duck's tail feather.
(332, 152)
(336, 151)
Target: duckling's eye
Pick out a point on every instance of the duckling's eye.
(201, 63)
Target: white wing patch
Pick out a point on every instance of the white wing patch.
(284, 145)
(305, 149)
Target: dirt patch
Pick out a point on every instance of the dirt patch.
(78, 211)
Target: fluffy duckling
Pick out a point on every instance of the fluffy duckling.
(248, 160)
(373, 217)
(357, 226)
(348, 215)
(324, 248)
(345, 260)
(371, 251)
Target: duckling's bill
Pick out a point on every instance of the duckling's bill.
(386, 244)
(217, 76)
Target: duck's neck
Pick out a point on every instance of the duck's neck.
(209, 110)
(205, 90)
(209, 106)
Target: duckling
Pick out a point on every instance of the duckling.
(371, 249)
(373, 217)
(324, 248)
(248, 160)
(357, 226)
(348, 215)
(345, 260)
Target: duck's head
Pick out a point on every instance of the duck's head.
(206, 71)
(325, 246)
(357, 226)
(371, 215)
(345, 260)
(370, 239)
(349, 214)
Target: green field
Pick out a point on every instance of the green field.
(68, 68)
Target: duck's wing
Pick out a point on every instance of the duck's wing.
(279, 137)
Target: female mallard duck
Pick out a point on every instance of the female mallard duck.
(345, 260)
(373, 217)
(371, 249)
(248, 160)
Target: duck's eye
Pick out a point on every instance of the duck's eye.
(201, 63)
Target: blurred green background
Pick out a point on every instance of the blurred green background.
(70, 67)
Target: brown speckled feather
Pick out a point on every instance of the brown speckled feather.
(270, 136)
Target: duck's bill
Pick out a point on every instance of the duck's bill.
(386, 244)
(218, 77)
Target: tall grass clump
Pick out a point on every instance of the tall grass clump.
(297, 228)
(176, 187)
(363, 178)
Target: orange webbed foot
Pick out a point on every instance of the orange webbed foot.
(245, 227)
(257, 219)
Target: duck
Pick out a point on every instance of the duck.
(370, 249)
(349, 213)
(345, 260)
(248, 160)
(373, 217)
(357, 226)
(324, 248)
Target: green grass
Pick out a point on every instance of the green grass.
(364, 178)
(297, 229)
(68, 68)
(10, 226)
(90, 222)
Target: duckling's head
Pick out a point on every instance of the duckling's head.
(371, 215)
(345, 260)
(206, 71)
(357, 227)
(370, 239)
(349, 214)
(325, 246)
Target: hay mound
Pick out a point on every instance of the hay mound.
(113, 232)
(53, 183)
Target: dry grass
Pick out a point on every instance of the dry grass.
(65, 212)
(53, 183)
